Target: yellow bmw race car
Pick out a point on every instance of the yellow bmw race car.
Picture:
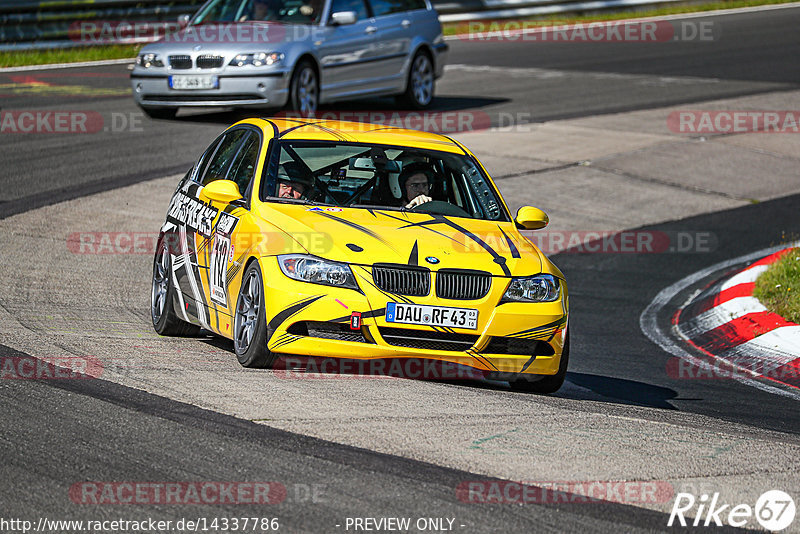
(358, 241)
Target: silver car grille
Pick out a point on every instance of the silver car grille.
(209, 62)
(402, 280)
(180, 62)
(462, 284)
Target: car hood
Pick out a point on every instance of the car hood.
(365, 237)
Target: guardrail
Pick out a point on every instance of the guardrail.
(30, 24)
(47, 23)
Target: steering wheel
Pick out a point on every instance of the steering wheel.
(441, 208)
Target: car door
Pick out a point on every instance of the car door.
(347, 52)
(393, 38)
(194, 219)
(218, 257)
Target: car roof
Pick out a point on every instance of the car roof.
(354, 132)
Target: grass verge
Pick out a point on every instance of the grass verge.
(454, 28)
(20, 58)
(778, 288)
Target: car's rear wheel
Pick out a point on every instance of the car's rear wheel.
(304, 89)
(421, 82)
(250, 321)
(160, 113)
(162, 294)
(547, 384)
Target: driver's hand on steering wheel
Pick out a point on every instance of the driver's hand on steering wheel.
(421, 199)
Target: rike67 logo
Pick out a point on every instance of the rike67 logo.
(774, 510)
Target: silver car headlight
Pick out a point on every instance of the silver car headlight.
(317, 271)
(539, 288)
(149, 60)
(258, 59)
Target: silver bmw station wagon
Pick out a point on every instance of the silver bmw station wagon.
(293, 53)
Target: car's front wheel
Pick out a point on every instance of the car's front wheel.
(250, 321)
(165, 320)
(547, 384)
(421, 82)
(304, 89)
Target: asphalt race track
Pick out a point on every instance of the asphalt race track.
(589, 144)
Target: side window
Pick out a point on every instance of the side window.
(350, 5)
(244, 166)
(218, 164)
(415, 4)
(387, 7)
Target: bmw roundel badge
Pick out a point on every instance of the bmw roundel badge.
(432, 259)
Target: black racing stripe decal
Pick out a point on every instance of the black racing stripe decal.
(281, 316)
(275, 131)
(481, 358)
(285, 341)
(528, 364)
(538, 329)
(334, 133)
(405, 220)
(511, 245)
(351, 224)
(413, 259)
(440, 219)
(293, 128)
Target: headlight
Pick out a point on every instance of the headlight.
(149, 60)
(539, 288)
(317, 271)
(258, 59)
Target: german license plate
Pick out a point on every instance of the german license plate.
(193, 82)
(397, 312)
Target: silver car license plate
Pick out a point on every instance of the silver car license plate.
(397, 312)
(184, 82)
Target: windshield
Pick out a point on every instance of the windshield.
(364, 176)
(291, 11)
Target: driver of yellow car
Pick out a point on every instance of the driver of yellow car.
(416, 182)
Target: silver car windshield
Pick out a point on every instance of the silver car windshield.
(383, 177)
(290, 11)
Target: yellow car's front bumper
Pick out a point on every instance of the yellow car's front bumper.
(314, 320)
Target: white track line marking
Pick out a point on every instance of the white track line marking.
(54, 66)
(649, 324)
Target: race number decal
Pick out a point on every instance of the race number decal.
(218, 269)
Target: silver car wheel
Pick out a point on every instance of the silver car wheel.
(422, 80)
(245, 322)
(307, 91)
(158, 293)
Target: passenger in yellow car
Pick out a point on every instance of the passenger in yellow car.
(416, 182)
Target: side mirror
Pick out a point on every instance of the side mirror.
(221, 191)
(183, 20)
(531, 218)
(343, 18)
